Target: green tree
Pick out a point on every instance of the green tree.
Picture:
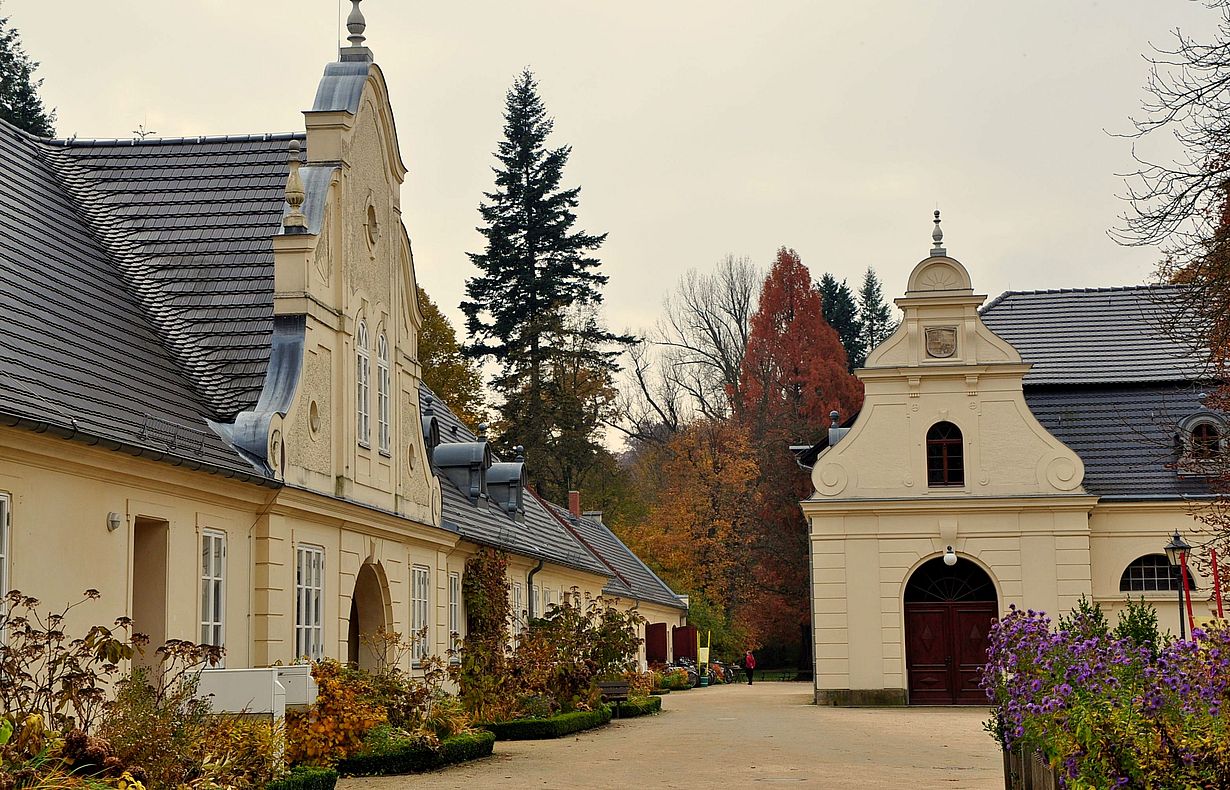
(874, 318)
(20, 104)
(533, 306)
(841, 313)
(451, 376)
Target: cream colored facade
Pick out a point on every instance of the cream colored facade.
(366, 506)
(1021, 514)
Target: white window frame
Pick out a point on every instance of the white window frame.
(309, 601)
(454, 609)
(383, 385)
(5, 520)
(213, 588)
(362, 380)
(420, 611)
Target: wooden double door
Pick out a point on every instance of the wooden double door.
(946, 648)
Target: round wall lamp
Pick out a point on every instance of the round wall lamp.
(950, 557)
(113, 521)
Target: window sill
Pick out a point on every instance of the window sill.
(386, 453)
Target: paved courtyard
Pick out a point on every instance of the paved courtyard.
(741, 736)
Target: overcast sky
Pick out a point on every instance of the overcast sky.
(698, 128)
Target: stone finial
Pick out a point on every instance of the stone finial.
(295, 221)
(356, 24)
(519, 452)
(937, 236)
(482, 431)
(834, 418)
(428, 405)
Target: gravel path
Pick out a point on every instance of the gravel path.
(743, 736)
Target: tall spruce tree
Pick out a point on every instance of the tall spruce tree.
(20, 104)
(842, 314)
(874, 316)
(533, 307)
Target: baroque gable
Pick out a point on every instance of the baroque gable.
(943, 365)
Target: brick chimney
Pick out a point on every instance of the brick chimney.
(574, 503)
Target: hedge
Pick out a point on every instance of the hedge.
(640, 707)
(305, 777)
(415, 757)
(554, 727)
(660, 692)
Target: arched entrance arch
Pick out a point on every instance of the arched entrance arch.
(948, 614)
(369, 610)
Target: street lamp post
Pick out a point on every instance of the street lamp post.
(1176, 554)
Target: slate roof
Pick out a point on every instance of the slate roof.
(189, 223)
(1097, 335)
(85, 353)
(632, 578)
(540, 536)
(1110, 379)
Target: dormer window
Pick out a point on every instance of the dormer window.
(1206, 441)
(383, 383)
(1202, 438)
(945, 456)
(362, 379)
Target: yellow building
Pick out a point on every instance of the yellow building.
(1048, 443)
(211, 406)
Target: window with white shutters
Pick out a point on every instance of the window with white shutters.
(309, 602)
(419, 624)
(213, 588)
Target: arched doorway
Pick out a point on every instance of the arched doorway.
(368, 612)
(948, 614)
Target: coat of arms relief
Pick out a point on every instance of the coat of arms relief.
(941, 341)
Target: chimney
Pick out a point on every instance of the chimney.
(574, 503)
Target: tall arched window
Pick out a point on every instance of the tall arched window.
(383, 383)
(362, 379)
(1153, 573)
(945, 456)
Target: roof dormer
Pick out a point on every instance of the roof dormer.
(466, 465)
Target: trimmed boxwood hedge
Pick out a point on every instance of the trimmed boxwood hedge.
(660, 692)
(414, 757)
(554, 727)
(305, 777)
(640, 707)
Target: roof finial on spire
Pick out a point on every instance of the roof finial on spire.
(295, 221)
(937, 236)
(356, 24)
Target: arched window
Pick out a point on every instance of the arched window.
(1206, 440)
(382, 392)
(362, 379)
(945, 456)
(1153, 573)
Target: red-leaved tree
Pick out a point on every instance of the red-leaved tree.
(793, 375)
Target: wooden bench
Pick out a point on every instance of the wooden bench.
(614, 691)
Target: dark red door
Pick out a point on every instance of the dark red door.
(683, 641)
(946, 647)
(655, 643)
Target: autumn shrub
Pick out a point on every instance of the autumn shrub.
(48, 672)
(241, 751)
(640, 683)
(1111, 712)
(483, 673)
(334, 726)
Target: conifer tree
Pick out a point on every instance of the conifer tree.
(20, 104)
(874, 317)
(841, 313)
(537, 275)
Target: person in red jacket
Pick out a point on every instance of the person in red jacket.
(749, 665)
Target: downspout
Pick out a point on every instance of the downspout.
(529, 587)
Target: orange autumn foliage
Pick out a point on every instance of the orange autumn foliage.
(333, 728)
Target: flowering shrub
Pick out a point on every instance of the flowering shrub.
(1109, 712)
